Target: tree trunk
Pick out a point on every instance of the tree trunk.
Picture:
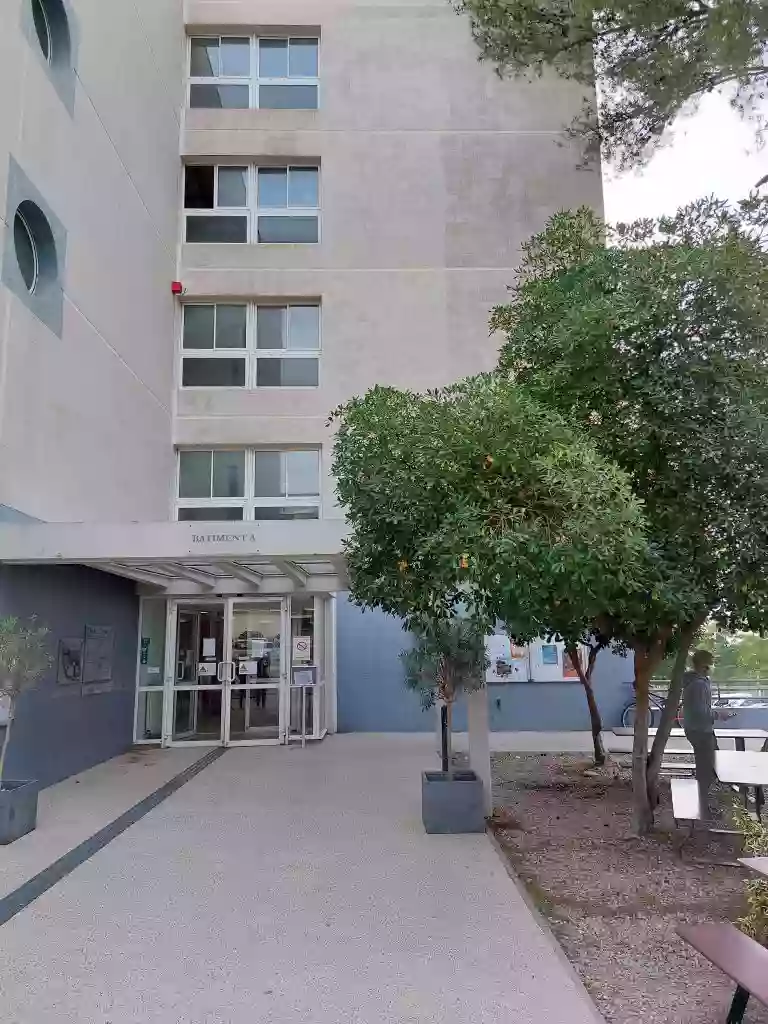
(594, 712)
(668, 715)
(643, 814)
(6, 738)
(449, 735)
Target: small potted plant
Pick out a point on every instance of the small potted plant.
(24, 659)
(448, 657)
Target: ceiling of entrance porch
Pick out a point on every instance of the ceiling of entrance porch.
(231, 577)
(188, 559)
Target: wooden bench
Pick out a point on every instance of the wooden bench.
(741, 958)
(686, 805)
(678, 767)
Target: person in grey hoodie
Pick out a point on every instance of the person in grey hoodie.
(699, 725)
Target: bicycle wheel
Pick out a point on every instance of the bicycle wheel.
(628, 715)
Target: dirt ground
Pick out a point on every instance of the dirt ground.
(614, 900)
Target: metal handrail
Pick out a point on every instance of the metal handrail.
(747, 687)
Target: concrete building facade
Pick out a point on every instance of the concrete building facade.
(340, 189)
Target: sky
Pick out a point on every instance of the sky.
(712, 151)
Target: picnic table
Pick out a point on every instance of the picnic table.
(739, 736)
(758, 864)
(744, 769)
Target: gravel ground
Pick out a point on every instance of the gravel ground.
(614, 900)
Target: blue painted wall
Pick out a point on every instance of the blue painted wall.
(60, 730)
(372, 696)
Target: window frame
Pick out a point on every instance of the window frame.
(251, 354)
(252, 212)
(254, 80)
(250, 502)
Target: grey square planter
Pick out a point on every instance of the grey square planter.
(452, 803)
(18, 810)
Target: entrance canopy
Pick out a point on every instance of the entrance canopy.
(191, 559)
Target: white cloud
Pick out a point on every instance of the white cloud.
(712, 151)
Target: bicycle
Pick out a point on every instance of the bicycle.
(657, 704)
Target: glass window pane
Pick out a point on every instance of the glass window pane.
(217, 229)
(273, 58)
(286, 373)
(194, 474)
(229, 474)
(26, 254)
(235, 57)
(270, 327)
(268, 482)
(198, 187)
(219, 97)
(304, 327)
(204, 58)
(287, 512)
(303, 473)
(213, 373)
(273, 187)
(230, 326)
(288, 229)
(287, 97)
(233, 187)
(302, 58)
(198, 326)
(302, 187)
(209, 515)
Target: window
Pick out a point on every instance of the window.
(51, 25)
(238, 72)
(221, 203)
(258, 346)
(26, 253)
(288, 200)
(35, 247)
(225, 485)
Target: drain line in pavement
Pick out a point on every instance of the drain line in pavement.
(40, 883)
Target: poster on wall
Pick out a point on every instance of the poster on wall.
(98, 650)
(302, 649)
(508, 662)
(569, 669)
(69, 668)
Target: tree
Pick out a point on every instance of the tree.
(651, 338)
(447, 658)
(477, 495)
(23, 660)
(653, 59)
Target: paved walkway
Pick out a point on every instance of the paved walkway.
(283, 886)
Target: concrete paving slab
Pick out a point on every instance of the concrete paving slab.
(73, 810)
(282, 886)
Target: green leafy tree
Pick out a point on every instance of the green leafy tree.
(755, 918)
(447, 658)
(24, 659)
(651, 338)
(477, 495)
(653, 59)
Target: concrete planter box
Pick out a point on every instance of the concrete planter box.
(452, 803)
(18, 810)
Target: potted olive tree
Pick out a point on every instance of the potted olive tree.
(24, 659)
(447, 658)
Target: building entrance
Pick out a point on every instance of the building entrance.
(235, 671)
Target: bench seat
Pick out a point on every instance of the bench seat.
(735, 954)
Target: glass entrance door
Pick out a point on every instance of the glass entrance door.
(255, 701)
(200, 673)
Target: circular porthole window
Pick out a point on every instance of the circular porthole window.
(35, 247)
(52, 28)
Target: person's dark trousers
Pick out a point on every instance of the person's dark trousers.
(704, 746)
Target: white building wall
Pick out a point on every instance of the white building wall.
(433, 171)
(85, 418)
